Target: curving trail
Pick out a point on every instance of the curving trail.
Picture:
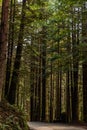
(52, 126)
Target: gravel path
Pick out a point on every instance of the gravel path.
(52, 126)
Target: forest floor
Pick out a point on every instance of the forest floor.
(11, 118)
(55, 126)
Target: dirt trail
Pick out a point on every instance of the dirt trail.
(53, 126)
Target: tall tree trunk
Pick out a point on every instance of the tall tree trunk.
(39, 83)
(58, 105)
(15, 74)
(84, 40)
(10, 48)
(32, 86)
(68, 84)
(43, 74)
(3, 42)
(68, 109)
(51, 93)
(58, 110)
(32, 95)
(75, 73)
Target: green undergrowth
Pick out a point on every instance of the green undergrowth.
(11, 118)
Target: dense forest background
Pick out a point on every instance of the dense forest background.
(43, 58)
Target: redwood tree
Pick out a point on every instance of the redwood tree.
(15, 74)
(84, 40)
(3, 42)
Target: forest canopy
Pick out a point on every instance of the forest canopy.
(43, 64)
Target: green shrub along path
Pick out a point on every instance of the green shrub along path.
(11, 118)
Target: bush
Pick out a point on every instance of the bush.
(11, 118)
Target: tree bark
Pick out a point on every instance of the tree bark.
(84, 40)
(3, 42)
(43, 74)
(75, 72)
(17, 62)
(10, 48)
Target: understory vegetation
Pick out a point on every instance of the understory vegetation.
(11, 118)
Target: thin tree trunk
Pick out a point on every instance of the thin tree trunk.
(43, 74)
(51, 94)
(32, 87)
(68, 84)
(75, 73)
(68, 109)
(58, 105)
(39, 82)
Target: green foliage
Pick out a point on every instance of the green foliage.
(3, 126)
(12, 118)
